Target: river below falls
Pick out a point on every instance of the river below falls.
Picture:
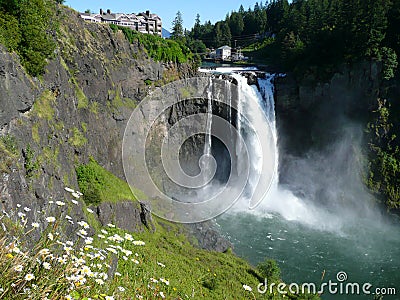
(367, 252)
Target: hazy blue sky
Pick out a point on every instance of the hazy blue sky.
(213, 10)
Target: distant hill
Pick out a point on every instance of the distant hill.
(166, 33)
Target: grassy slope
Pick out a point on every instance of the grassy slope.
(192, 272)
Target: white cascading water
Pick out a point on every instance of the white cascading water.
(208, 144)
(278, 199)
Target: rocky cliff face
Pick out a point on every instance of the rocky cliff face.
(78, 108)
(311, 113)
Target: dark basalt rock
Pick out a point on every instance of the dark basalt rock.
(311, 112)
(127, 215)
(209, 237)
(17, 92)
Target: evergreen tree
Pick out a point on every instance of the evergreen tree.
(261, 20)
(196, 31)
(236, 24)
(250, 23)
(226, 34)
(222, 34)
(177, 27)
(392, 38)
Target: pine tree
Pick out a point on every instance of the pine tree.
(196, 31)
(236, 24)
(177, 27)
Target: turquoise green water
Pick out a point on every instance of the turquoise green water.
(367, 252)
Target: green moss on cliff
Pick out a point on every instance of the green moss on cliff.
(117, 101)
(94, 108)
(83, 101)
(44, 106)
(8, 153)
(49, 156)
(77, 138)
(35, 133)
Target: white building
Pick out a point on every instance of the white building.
(142, 22)
(224, 53)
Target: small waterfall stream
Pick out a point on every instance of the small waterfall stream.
(208, 138)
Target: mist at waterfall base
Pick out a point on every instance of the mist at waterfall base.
(318, 219)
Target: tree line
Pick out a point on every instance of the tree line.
(307, 32)
(238, 29)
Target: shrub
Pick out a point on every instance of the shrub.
(269, 269)
(91, 182)
(98, 185)
(10, 34)
(26, 27)
(157, 48)
(31, 165)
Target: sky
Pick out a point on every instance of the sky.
(208, 9)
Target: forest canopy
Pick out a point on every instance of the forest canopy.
(312, 32)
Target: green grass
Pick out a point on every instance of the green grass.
(191, 272)
(8, 153)
(117, 101)
(115, 264)
(35, 133)
(99, 185)
(77, 139)
(44, 105)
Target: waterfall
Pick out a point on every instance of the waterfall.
(208, 137)
(268, 104)
(278, 200)
(257, 103)
(249, 102)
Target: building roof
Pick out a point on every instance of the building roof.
(122, 16)
(226, 47)
(143, 22)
